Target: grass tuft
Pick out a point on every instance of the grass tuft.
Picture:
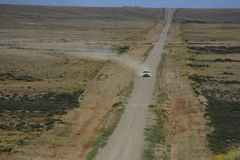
(230, 155)
(100, 142)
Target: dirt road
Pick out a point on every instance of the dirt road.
(126, 142)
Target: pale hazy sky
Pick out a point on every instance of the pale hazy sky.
(139, 3)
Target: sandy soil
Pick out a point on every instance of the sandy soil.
(72, 138)
(126, 142)
(194, 130)
(52, 45)
(186, 127)
(211, 46)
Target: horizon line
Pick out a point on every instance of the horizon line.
(117, 6)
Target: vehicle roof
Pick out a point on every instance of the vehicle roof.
(146, 71)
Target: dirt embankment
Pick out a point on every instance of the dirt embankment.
(184, 126)
(200, 81)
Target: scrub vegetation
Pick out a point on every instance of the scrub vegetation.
(214, 57)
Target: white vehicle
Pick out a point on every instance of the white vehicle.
(145, 73)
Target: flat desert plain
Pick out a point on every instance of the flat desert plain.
(66, 75)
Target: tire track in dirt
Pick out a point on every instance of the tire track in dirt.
(187, 126)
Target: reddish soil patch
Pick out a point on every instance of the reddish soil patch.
(180, 104)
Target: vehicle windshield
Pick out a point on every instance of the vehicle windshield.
(146, 71)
